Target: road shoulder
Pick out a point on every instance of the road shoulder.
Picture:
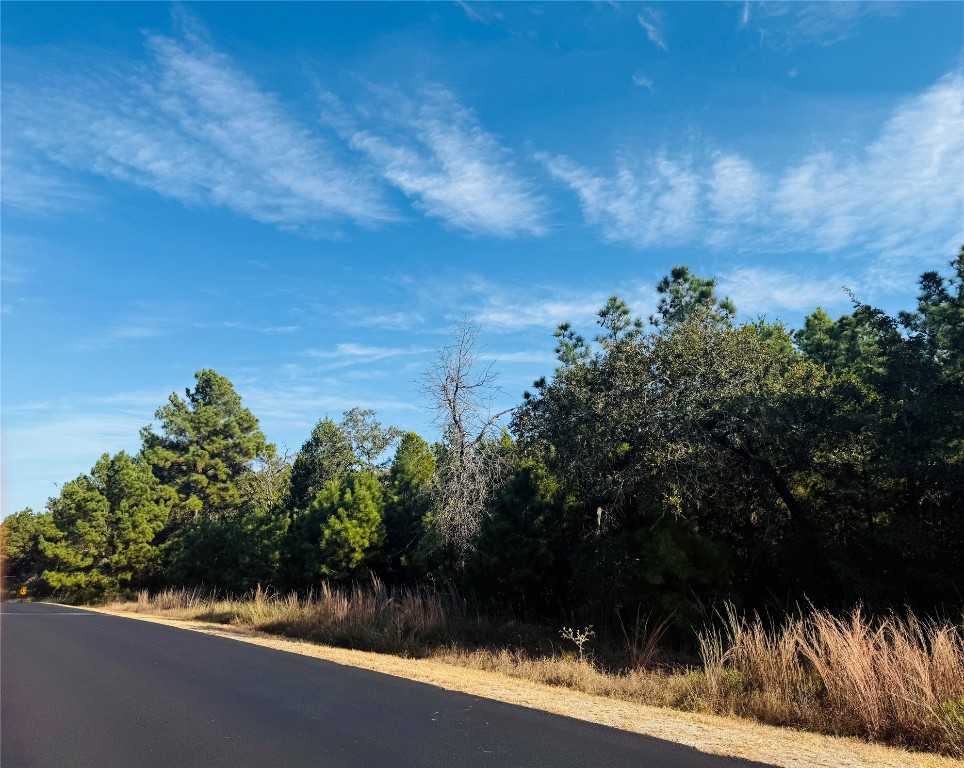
(708, 733)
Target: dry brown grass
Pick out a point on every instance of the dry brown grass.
(676, 690)
(896, 680)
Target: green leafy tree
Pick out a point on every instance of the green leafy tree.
(206, 554)
(208, 440)
(238, 550)
(267, 484)
(262, 554)
(939, 319)
(332, 451)
(325, 456)
(917, 420)
(777, 334)
(571, 348)
(670, 566)
(21, 535)
(846, 344)
(106, 524)
(231, 553)
(689, 451)
(369, 439)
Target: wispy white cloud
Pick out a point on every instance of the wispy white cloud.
(348, 354)
(524, 357)
(905, 184)
(502, 311)
(293, 409)
(57, 445)
(735, 189)
(759, 290)
(399, 321)
(642, 81)
(139, 321)
(651, 21)
(471, 12)
(36, 187)
(237, 325)
(290, 400)
(123, 333)
(652, 201)
(358, 350)
(11, 272)
(437, 153)
(506, 309)
(899, 195)
(788, 25)
(191, 126)
(143, 401)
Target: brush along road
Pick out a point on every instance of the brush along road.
(86, 689)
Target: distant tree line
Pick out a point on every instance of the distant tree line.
(664, 466)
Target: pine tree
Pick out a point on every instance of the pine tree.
(207, 442)
(408, 502)
(106, 523)
(325, 456)
(352, 529)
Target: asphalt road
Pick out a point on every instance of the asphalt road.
(84, 689)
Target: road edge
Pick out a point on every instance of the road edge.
(730, 736)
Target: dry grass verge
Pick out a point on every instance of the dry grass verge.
(899, 681)
(708, 733)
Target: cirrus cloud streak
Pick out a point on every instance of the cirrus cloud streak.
(900, 193)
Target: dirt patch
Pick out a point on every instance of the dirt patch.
(708, 733)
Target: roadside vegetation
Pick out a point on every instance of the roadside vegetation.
(645, 522)
(897, 679)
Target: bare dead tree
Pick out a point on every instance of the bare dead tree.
(470, 466)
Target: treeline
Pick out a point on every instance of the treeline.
(664, 466)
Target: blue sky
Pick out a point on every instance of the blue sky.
(307, 197)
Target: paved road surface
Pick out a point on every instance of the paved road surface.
(83, 689)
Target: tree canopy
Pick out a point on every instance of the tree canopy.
(660, 468)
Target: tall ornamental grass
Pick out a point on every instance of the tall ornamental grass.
(894, 679)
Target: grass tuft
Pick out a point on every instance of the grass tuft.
(896, 680)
